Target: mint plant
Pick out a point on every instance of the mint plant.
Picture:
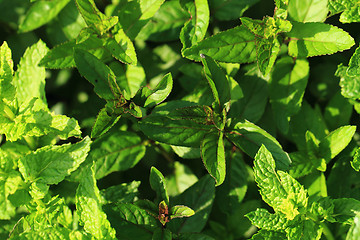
(248, 108)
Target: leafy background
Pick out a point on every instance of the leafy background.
(71, 59)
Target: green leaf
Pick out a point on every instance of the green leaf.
(252, 105)
(195, 29)
(98, 74)
(131, 221)
(354, 65)
(162, 234)
(277, 188)
(34, 119)
(93, 17)
(122, 193)
(194, 236)
(166, 24)
(351, 15)
(43, 165)
(160, 92)
(354, 231)
(287, 87)
(131, 82)
(349, 84)
(349, 8)
(180, 211)
(306, 230)
(7, 89)
(9, 183)
(218, 81)
(29, 78)
(158, 184)
(267, 51)
(180, 180)
(233, 190)
(314, 39)
(266, 235)
(213, 156)
(103, 123)
(175, 131)
(121, 47)
(281, 9)
(35, 16)
(355, 163)
(134, 15)
(261, 218)
(307, 119)
(308, 10)
(345, 209)
(118, 151)
(225, 10)
(336, 141)
(198, 197)
(88, 206)
(249, 137)
(236, 45)
(338, 111)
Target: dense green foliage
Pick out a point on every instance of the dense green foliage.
(179, 119)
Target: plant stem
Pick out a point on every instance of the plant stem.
(31, 142)
(328, 234)
(9, 114)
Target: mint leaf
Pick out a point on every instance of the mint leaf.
(162, 234)
(199, 197)
(195, 29)
(314, 39)
(336, 141)
(34, 119)
(175, 131)
(158, 184)
(7, 89)
(345, 209)
(287, 87)
(236, 45)
(166, 24)
(121, 47)
(180, 211)
(249, 137)
(103, 123)
(42, 166)
(9, 183)
(29, 78)
(349, 9)
(131, 221)
(281, 9)
(355, 163)
(35, 18)
(93, 17)
(131, 80)
(97, 73)
(122, 193)
(182, 179)
(267, 51)
(89, 207)
(308, 11)
(306, 230)
(354, 231)
(160, 92)
(225, 10)
(118, 151)
(261, 218)
(213, 156)
(134, 15)
(218, 81)
(348, 83)
(265, 235)
(234, 188)
(277, 188)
